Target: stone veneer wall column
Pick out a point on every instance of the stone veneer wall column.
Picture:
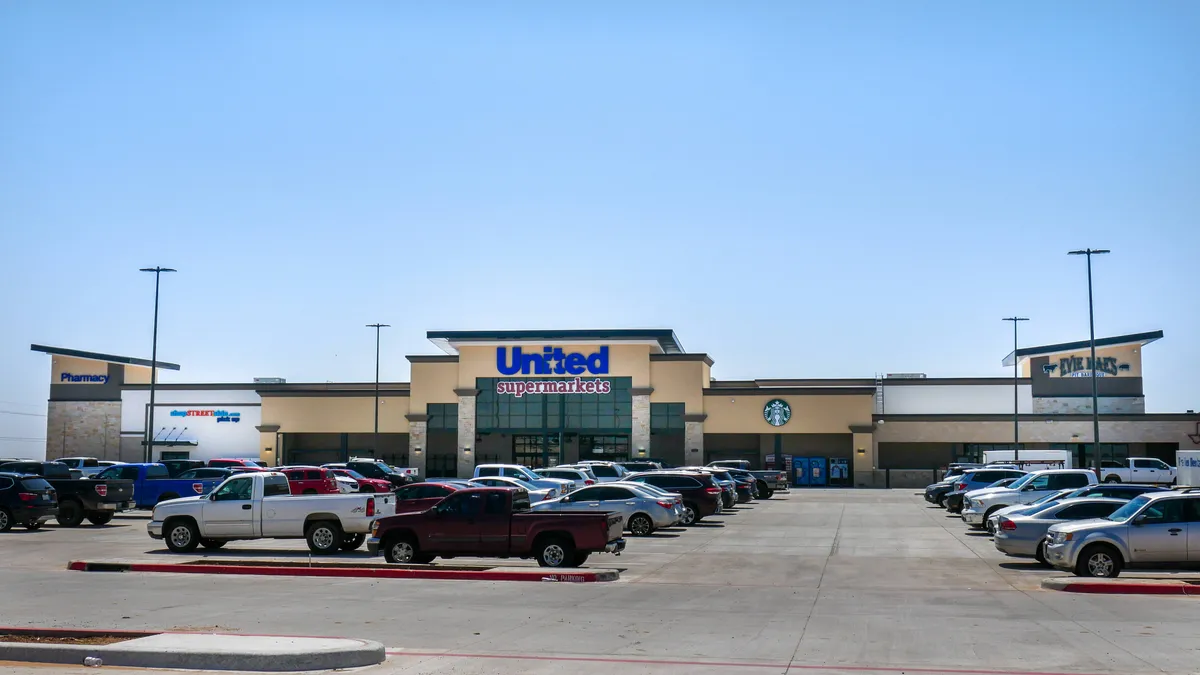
(693, 438)
(84, 428)
(639, 438)
(466, 432)
(418, 445)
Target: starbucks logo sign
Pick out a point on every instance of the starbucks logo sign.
(777, 412)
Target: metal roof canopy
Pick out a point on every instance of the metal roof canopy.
(1132, 338)
(97, 356)
(662, 339)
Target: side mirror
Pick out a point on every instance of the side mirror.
(1139, 521)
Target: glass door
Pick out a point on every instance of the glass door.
(537, 451)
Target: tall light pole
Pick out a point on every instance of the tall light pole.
(149, 450)
(1089, 252)
(1016, 390)
(375, 441)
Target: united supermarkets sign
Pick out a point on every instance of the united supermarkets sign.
(578, 385)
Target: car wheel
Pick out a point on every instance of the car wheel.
(1112, 479)
(580, 558)
(689, 515)
(640, 525)
(6, 521)
(323, 537)
(99, 518)
(1040, 554)
(182, 536)
(362, 487)
(768, 494)
(942, 501)
(212, 544)
(400, 549)
(33, 525)
(351, 542)
(1099, 560)
(555, 552)
(70, 514)
(990, 527)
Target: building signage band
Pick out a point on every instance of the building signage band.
(1081, 366)
(551, 361)
(221, 415)
(519, 388)
(84, 379)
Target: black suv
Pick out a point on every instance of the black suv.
(25, 499)
(374, 468)
(701, 494)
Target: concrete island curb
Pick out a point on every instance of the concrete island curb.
(573, 576)
(1130, 587)
(201, 651)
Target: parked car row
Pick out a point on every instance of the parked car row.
(502, 512)
(1067, 519)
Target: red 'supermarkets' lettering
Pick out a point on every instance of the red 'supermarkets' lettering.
(519, 388)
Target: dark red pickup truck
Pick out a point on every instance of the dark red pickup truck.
(496, 523)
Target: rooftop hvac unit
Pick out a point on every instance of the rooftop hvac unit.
(906, 376)
(269, 380)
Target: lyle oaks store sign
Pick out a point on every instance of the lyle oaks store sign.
(552, 361)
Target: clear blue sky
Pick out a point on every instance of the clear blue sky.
(800, 189)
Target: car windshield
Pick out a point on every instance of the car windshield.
(1055, 496)
(1126, 512)
(1020, 482)
(353, 474)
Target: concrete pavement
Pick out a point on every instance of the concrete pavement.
(832, 581)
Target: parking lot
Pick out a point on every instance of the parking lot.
(822, 581)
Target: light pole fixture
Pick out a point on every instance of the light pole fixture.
(375, 438)
(148, 451)
(1016, 390)
(1089, 252)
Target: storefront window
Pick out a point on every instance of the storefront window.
(666, 416)
(442, 416)
(612, 411)
(973, 452)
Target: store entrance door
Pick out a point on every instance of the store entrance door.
(537, 451)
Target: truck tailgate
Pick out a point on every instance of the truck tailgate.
(114, 490)
(616, 526)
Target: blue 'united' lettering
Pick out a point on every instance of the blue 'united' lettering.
(551, 361)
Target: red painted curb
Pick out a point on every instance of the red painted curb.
(1132, 589)
(361, 572)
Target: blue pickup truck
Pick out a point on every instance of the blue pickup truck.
(152, 483)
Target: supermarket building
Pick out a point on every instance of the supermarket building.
(547, 397)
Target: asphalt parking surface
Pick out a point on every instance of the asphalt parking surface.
(821, 581)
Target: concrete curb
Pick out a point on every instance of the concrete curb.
(208, 652)
(1101, 586)
(574, 576)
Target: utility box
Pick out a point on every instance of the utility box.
(1187, 462)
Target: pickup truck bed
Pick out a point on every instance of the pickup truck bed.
(496, 523)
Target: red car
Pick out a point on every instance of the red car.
(252, 464)
(364, 484)
(309, 480)
(420, 496)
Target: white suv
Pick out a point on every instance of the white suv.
(980, 504)
(525, 474)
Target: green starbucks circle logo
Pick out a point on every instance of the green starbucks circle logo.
(777, 412)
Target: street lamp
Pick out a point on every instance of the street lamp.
(149, 450)
(1016, 391)
(1089, 252)
(375, 441)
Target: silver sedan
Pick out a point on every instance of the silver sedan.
(643, 511)
(1024, 535)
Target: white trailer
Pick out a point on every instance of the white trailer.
(1187, 465)
(1030, 460)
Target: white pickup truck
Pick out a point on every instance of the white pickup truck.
(1137, 470)
(260, 505)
